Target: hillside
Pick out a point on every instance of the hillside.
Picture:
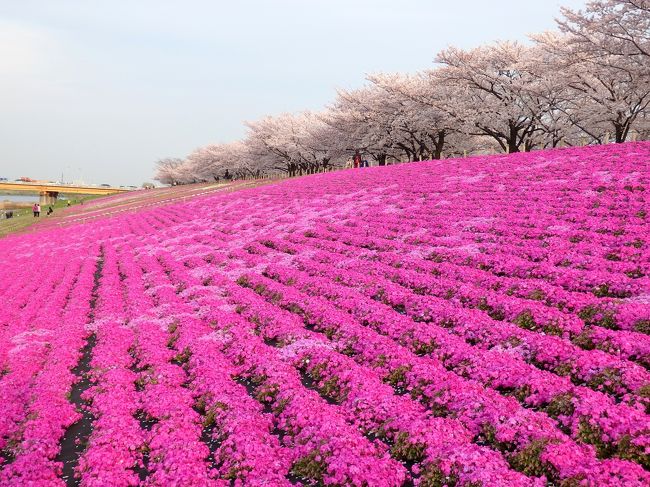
(479, 321)
(99, 207)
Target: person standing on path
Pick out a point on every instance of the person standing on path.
(35, 209)
(38, 209)
(357, 159)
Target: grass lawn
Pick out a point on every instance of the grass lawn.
(24, 217)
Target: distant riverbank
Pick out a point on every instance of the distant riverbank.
(19, 198)
(16, 201)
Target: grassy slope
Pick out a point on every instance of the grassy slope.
(102, 206)
(23, 217)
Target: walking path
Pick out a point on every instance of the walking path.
(118, 204)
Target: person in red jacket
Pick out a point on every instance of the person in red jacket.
(357, 159)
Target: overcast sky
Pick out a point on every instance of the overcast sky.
(98, 90)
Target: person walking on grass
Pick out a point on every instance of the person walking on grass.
(36, 209)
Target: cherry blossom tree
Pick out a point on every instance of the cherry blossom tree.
(492, 92)
(223, 161)
(619, 28)
(206, 163)
(422, 111)
(293, 143)
(601, 95)
(363, 123)
(167, 170)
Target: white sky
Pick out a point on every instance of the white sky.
(98, 90)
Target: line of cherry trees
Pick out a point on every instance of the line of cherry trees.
(587, 83)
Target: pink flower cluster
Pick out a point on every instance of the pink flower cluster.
(482, 321)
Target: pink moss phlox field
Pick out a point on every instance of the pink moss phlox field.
(480, 321)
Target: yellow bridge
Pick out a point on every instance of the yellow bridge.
(50, 192)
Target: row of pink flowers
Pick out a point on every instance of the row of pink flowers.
(449, 299)
(321, 440)
(538, 387)
(40, 361)
(448, 280)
